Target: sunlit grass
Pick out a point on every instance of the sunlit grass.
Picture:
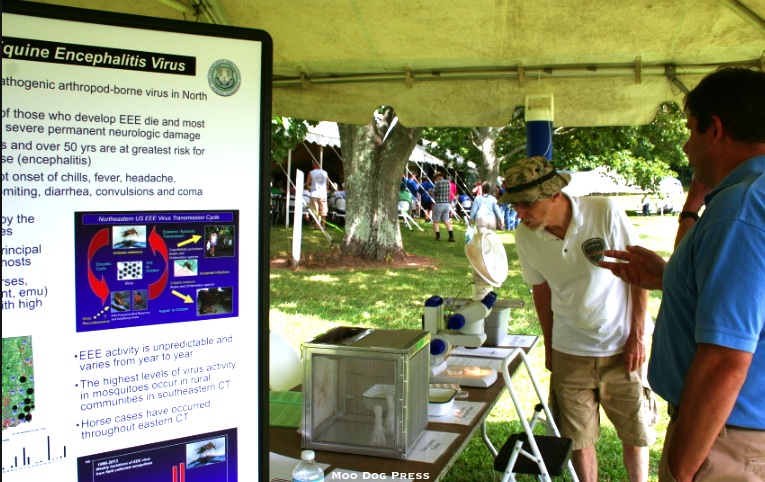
(305, 303)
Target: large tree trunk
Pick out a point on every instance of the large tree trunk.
(373, 163)
(485, 140)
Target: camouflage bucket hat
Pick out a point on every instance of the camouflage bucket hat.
(532, 179)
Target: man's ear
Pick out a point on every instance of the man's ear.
(717, 128)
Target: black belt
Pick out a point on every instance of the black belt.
(672, 411)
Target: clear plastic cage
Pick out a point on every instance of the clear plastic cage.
(366, 391)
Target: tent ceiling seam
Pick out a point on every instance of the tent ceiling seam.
(520, 72)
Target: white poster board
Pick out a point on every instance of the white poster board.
(135, 293)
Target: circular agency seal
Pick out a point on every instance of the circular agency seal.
(224, 77)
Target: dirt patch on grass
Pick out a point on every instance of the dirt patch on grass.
(331, 260)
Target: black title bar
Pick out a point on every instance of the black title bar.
(104, 57)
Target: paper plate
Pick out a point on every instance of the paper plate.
(487, 256)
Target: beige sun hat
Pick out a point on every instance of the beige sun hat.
(532, 179)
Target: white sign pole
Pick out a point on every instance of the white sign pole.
(297, 221)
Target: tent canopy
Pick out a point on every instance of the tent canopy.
(459, 63)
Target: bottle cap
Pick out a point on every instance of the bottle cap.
(307, 455)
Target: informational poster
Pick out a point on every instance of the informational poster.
(134, 152)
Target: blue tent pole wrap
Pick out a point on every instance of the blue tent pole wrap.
(539, 120)
(539, 139)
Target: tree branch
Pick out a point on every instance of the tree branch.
(563, 131)
(475, 136)
(513, 152)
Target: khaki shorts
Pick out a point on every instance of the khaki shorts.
(737, 454)
(319, 206)
(579, 385)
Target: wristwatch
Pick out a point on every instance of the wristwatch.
(688, 214)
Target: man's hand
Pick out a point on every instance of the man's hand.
(695, 197)
(643, 267)
(634, 353)
(693, 203)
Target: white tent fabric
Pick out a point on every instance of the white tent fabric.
(671, 186)
(326, 134)
(420, 156)
(598, 181)
(470, 63)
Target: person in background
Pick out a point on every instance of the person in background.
(511, 218)
(708, 354)
(452, 194)
(405, 195)
(442, 207)
(485, 210)
(646, 205)
(594, 326)
(413, 185)
(277, 189)
(667, 206)
(318, 180)
(504, 207)
(341, 191)
(426, 198)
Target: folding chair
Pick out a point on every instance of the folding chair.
(403, 213)
(339, 212)
(465, 206)
(527, 453)
(277, 209)
(331, 205)
(465, 219)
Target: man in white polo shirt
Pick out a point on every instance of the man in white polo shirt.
(594, 325)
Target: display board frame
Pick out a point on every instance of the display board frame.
(130, 233)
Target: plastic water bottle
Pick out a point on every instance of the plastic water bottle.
(307, 470)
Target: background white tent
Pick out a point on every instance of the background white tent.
(598, 181)
(327, 134)
(671, 186)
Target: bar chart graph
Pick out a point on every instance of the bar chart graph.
(33, 452)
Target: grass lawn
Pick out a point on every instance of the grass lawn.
(305, 303)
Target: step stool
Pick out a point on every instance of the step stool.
(526, 453)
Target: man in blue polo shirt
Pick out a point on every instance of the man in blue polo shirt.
(708, 355)
(414, 188)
